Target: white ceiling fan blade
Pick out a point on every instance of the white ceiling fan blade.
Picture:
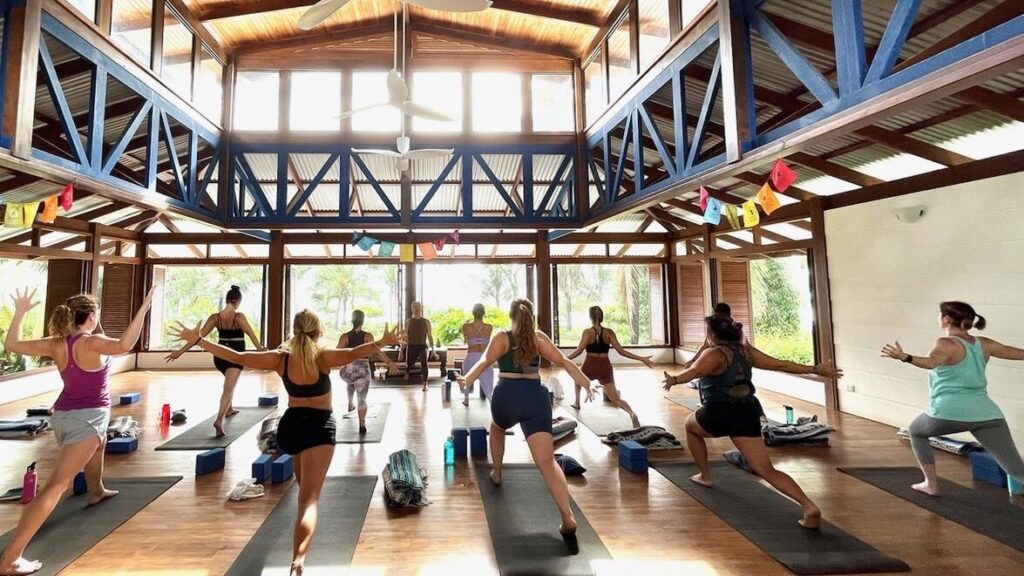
(319, 12)
(388, 153)
(398, 91)
(453, 5)
(350, 113)
(428, 153)
(420, 111)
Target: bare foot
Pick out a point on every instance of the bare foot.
(97, 498)
(702, 480)
(811, 519)
(496, 477)
(926, 488)
(231, 412)
(218, 425)
(575, 406)
(465, 402)
(351, 407)
(21, 567)
(569, 537)
(424, 386)
(636, 421)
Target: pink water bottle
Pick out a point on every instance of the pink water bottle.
(28, 485)
(165, 414)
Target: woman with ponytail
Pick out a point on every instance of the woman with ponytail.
(82, 411)
(232, 328)
(357, 374)
(307, 429)
(520, 398)
(729, 407)
(959, 398)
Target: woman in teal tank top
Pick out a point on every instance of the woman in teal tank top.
(959, 400)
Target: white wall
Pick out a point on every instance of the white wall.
(887, 279)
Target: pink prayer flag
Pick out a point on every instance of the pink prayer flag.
(439, 244)
(67, 197)
(703, 198)
(455, 236)
(782, 176)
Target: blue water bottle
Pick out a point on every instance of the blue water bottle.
(789, 414)
(449, 452)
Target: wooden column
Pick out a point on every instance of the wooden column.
(22, 69)
(141, 286)
(410, 289)
(531, 285)
(672, 312)
(104, 14)
(543, 303)
(275, 291)
(824, 343)
(157, 56)
(92, 272)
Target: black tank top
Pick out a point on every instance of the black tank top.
(598, 346)
(319, 388)
(356, 338)
(232, 333)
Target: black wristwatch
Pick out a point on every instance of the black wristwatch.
(907, 359)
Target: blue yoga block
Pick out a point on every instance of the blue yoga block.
(478, 441)
(461, 438)
(81, 486)
(268, 400)
(261, 468)
(209, 461)
(122, 445)
(131, 398)
(633, 456)
(281, 469)
(985, 468)
(981, 459)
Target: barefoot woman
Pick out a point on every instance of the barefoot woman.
(357, 374)
(519, 398)
(478, 334)
(82, 411)
(307, 428)
(731, 409)
(959, 400)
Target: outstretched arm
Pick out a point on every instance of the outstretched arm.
(124, 344)
(206, 329)
(999, 350)
(584, 340)
(378, 353)
(23, 302)
(943, 354)
(704, 346)
(618, 348)
(705, 363)
(335, 357)
(243, 323)
(552, 354)
(495, 348)
(267, 360)
(765, 362)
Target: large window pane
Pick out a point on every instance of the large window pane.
(449, 291)
(29, 274)
(497, 102)
(441, 92)
(554, 105)
(210, 96)
(256, 100)
(369, 88)
(654, 30)
(620, 64)
(131, 28)
(177, 66)
(334, 291)
(594, 89)
(189, 294)
(624, 292)
(691, 9)
(86, 7)
(315, 101)
(780, 290)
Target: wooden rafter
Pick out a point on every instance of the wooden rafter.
(169, 224)
(293, 173)
(908, 145)
(834, 170)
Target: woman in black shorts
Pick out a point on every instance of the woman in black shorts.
(731, 409)
(307, 428)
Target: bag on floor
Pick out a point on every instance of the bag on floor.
(404, 481)
(268, 435)
(123, 427)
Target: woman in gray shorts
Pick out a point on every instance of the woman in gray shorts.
(82, 410)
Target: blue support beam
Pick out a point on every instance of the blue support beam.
(815, 81)
(900, 22)
(851, 57)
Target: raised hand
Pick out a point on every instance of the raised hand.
(173, 356)
(24, 301)
(390, 337)
(186, 334)
(894, 351)
(669, 381)
(148, 300)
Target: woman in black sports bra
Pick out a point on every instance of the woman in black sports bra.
(307, 428)
(232, 328)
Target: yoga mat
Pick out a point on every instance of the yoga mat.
(523, 521)
(201, 436)
(348, 428)
(769, 520)
(600, 418)
(990, 514)
(478, 413)
(342, 510)
(73, 528)
(411, 383)
(689, 402)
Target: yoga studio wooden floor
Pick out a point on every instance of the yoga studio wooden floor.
(648, 525)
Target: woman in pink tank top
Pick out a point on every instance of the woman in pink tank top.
(82, 410)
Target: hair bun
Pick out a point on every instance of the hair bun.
(234, 287)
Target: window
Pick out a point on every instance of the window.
(594, 89)
(554, 107)
(691, 9)
(31, 274)
(86, 7)
(654, 30)
(368, 89)
(315, 101)
(497, 102)
(441, 92)
(448, 304)
(334, 291)
(631, 296)
(780, 293)
(131, 28)
(620, 63)
(189, 294)
(256, 100)
(177, 65)
(210, 94)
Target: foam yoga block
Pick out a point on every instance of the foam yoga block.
(478, 441)
(461, 438)
(633, 456)
(281, 469)
(268, 400)
(122, 445)
(131, 398)
(984, 467)
(209, 461)
(81, 486)
(262, 468)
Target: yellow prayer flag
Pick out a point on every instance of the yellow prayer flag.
(766, 196)
(30, 213)
(750, 215)
(14, 216)
(732, 216)
(407, 253)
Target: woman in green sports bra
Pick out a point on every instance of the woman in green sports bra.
(959, 398)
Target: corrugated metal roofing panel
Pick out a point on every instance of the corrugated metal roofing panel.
(309, 165)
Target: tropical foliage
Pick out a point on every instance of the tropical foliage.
(334, 291)
(191, 293)
(780, 293)
(622, 291)
(19, 274)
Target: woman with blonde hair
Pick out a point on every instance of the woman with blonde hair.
(307, 429)
(520, 398)
(82, 411)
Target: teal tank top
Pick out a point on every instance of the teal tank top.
(959, 392)
(507, 361)
(733, 385)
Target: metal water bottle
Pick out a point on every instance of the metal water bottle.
(165, 414)
(449, 452)
(28, 484)
(789, 414)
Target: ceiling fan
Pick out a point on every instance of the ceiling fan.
(404, 156)
(324, 8)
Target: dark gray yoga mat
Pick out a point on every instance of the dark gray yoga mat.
(769, 520)
(523, 521)
(348, 427)
(403, 383)
(989, 514)
(478, 413)
(201, 436)
(690, 402)
(342, 510)
(73, 528)
(602, 419)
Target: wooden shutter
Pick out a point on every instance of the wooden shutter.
(734, 289)
(692, 306)
(116, 306)
(64, 279)
(656, 295)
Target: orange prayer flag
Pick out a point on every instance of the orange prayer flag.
(769, 201)
(427, 251)
(49, 210)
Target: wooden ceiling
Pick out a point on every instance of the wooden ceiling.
(557, 28)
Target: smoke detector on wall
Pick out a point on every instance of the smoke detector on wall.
(910, 214)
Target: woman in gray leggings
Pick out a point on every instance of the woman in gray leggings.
(959, 401)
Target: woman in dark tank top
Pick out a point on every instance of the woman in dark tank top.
(357, 375)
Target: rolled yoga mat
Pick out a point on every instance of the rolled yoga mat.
(201, 436)
(602, 419)
(690, 402)
(376, 419)
(342, 510)
(769, 520)
(74, 527)
(990, 514)
(523, 521)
